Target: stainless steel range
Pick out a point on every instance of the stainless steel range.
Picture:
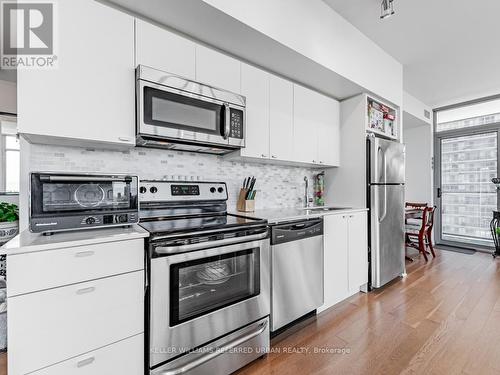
(208, 280)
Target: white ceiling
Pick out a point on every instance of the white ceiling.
(449, 48)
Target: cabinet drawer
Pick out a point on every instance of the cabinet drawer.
(49, 269)
(51, 326)
(125, 358)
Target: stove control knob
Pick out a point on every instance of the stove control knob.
(153, 189)
(220, 190)
(90, 220)
(212, 189)
(122, 218)
(142, 189)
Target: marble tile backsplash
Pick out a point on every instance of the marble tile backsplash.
(277, 185)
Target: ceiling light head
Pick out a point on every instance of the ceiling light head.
(386, 8)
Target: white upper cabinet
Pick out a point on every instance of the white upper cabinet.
(217, 69)
(305, 125)
(164, 50)
(90, 97)
(329, 132)
(255, 87)
(316, 128)
(281, 118)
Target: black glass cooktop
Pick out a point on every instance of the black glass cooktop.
(191, 224)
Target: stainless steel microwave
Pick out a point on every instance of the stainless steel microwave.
(176, 113)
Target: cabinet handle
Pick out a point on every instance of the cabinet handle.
(125, 139)
(263, 155)
(85, 362)
(83, 254)
(314, 161)
(85, 290)
(274, 156)
(351, 216)
(320, 162)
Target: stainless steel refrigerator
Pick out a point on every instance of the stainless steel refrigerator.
(386, 178)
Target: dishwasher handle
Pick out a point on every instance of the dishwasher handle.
(296, 231)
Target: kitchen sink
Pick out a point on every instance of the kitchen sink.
(326, 208)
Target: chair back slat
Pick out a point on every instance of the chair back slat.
(415, 205)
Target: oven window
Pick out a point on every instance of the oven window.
(205, 285)
(63, 197)
(162, 108)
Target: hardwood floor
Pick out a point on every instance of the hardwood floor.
(443, 318)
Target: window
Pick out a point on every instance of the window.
(469, 116)
(9, 157)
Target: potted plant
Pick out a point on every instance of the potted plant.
(9, 221)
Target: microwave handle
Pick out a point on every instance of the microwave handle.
(62, 178)
(227, 120)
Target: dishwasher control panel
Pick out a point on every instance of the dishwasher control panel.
(295, 231)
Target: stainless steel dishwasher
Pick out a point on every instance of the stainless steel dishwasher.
(296, 270)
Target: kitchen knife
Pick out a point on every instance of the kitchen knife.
(252, 184)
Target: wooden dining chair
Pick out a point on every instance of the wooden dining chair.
(429, 225)
(416, 205)
(419, 236)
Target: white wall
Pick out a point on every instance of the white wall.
(416, 107)
(418, 140)
(8, 97)
(315, 30)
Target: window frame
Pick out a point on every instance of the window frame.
(438, 136)
(3, 152)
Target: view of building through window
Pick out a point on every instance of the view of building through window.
(469, 116)
(468, 163)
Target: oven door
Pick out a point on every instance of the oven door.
(199, 296)
(66, 194)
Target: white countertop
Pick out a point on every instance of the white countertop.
(279, 215)
(27, 242)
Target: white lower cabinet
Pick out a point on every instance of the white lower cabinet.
(358, 251)
(125, 358)
(70, 323)
(346, 256)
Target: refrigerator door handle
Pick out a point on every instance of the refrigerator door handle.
(383, 209)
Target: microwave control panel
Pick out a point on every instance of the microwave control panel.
(236, 122)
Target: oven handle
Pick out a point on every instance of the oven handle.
(203, 245)
(58, 178)
(220, 350)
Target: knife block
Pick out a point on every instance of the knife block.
(243, 204)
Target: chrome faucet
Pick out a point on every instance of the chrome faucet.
(306, 195)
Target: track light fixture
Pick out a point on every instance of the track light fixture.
(386, 8)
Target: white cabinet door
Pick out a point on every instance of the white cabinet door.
(53, 325)
(217, 69)
(358, 251)
(255, 87)
(281, 118)
(161, 49)
(125, 357)
(71, 265)
(305, 125)
(91, 94)
(335, 260)
(329, 132)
